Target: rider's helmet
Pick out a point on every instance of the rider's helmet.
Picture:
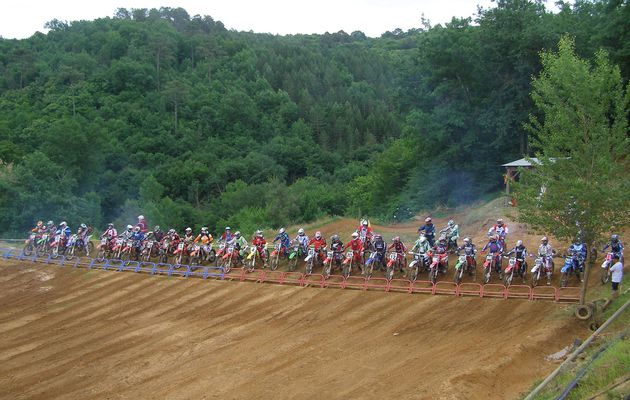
(544, 240)
(500, 221)
(378, 238)
(156, 228)
(614, 238)
(301, 232)
(171, 231)
(519, 243)
(227, 228)
(259, 233)
(40, 223)
(355, 235)
(318, 235)
(424, 239)
(364, 222)
(129, 228)
(110, 225)
(204, 230)
(136, 229)
(140, 217)
(50, 223)
(467, 240)
(188, 230)
(427, 219)
(63, 223)
(237, 234)
(83, 226)
(396, 239)
(451, 222)
(334, 238)
(281, 231)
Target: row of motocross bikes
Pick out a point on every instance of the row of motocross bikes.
(228, 255)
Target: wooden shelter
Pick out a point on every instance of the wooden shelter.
(511, 170)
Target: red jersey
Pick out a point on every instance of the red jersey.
(317, 243)
(259, 242)
(399, 247)
(354, 244)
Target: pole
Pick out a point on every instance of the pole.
(587, 272)
(577, 352)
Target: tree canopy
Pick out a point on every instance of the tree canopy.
(174, 116)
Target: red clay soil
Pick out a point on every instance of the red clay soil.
(79, 334)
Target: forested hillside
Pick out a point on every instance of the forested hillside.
(173, 116)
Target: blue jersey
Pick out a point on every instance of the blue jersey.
(284, 239)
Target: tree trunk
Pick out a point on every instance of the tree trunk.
(176, 119)
(587, 272)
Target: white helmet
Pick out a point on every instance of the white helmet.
(63, 223)
(519, 243)
(451, 222)
(318, 235)
(427, 219)
(364, 222)
(282, 230)
(467, 240)
(237, 234)
(140, 217)
(544, 239)
(227, 228)
(129, 227)
(355, 235)
(500, 221)
(259, 233)
(188, 230)
(301, 232)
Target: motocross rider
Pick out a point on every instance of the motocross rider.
(126, 235)
(494, 246)
(400, 249)
(452, 233)
(381, 248)
(336, 245)
(319, 243)
(356, 246)
(302, 240)
(39, 228)
(110, 233)
(158, 233)
(204, 237)
(500, 229)
(137, 237)
(520, 253)
(142, 224)
(239, 242)
(546, 252)
(616, 247)
(285, 241)
(365, 231)
(226, 236)
(64, 231)
(422, 247)
(260, 243)
(429, 230)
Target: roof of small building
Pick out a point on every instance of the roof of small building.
(523, 162)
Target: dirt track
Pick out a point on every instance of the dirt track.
(78, 334)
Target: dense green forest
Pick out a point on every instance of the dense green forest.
(175, 117)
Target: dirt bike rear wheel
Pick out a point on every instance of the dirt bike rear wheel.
(412, 275)
(535, 277)
(605, 276)
(101, 255)
(457, 278)
(507, 279)
(309, 267)
(274, 263)
(54, 252)
(28, 249)
(433, 275)
(293, 263)
(212, 256)
(564, 280)
(389, 273)
(486, 275)
(326, 270)
(345, 271)
(70, 253)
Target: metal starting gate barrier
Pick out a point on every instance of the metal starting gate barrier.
(490, 290)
